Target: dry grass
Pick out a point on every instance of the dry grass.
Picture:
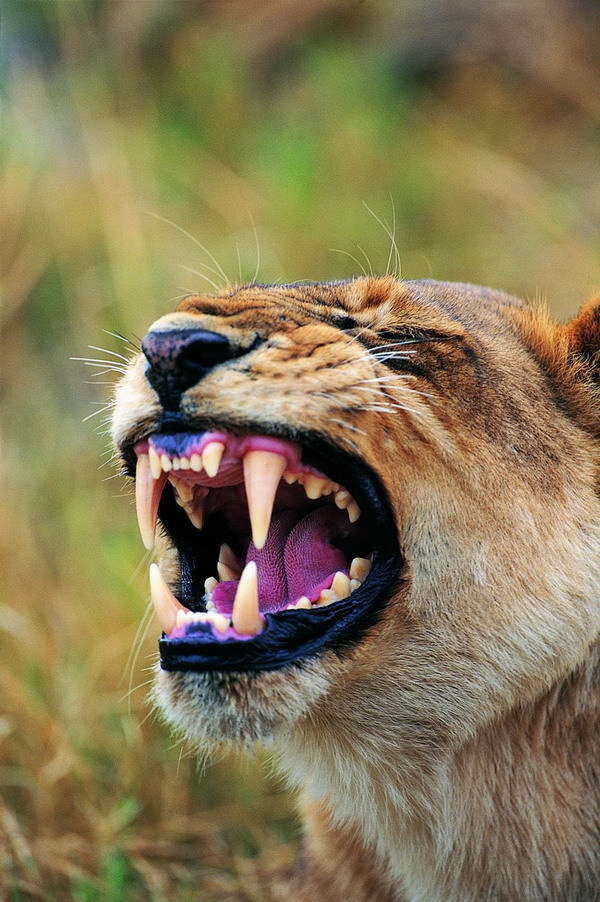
(491, 182)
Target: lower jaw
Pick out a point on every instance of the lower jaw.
(288, 637)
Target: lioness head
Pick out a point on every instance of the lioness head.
(377, 507)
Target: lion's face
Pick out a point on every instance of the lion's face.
(375, 500)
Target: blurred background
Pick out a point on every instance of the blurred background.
(153, 148)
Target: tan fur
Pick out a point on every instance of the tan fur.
(453, 754)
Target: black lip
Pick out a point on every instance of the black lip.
(288, 636)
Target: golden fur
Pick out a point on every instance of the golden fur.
(453, 754)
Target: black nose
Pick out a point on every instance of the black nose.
(179, 358)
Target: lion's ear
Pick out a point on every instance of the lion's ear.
(583, 335)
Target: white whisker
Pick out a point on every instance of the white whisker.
(107, 351)
(201, 275)
(220, 270)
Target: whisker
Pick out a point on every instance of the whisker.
(201, 275)
(96, 412)
(257, 242)
(220, 270)
(123, 338)
(366, 258)
(337, 250)
(107, 351)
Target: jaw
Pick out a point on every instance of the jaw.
(222, 680)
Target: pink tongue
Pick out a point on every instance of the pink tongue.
(310, 560)
(296, 559)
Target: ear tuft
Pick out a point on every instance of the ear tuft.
(583, 335)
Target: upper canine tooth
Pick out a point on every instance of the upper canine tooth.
(341, 585)
(166, 607)
(262, 472)
(155, 464)
(245, 615)
(147, 498)
(211, 458)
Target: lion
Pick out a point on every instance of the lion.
(379, 530)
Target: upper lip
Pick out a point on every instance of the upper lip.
(285, 636)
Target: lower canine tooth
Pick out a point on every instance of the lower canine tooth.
(166, 607)
(245, 615)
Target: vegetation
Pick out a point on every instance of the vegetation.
(147, 150)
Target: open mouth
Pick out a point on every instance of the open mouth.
(284, 549)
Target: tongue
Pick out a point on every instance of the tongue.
(297, 559)
(311, 561)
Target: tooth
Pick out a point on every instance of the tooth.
(355, 584)
(184, 463)
(313, 486)
(166, 607)
(290, 478)
(342, 499)
(353, 511)
(155, 464)
(228, 566)
(326, 596)
(195, 509)
(341, 585)
(245, 616)
(327, 487)
(211, 458)
(219, 621)
(184, 490)
(262, 473)
(360, 568)
(175, 463)
(196, 463)
(226, 574)
(184, 617)
(165, 463)
(209, 585)
(303, 602)
(147, 498)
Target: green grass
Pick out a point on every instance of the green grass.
(98, 152)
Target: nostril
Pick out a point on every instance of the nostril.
(178, 358)
(168, 350)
